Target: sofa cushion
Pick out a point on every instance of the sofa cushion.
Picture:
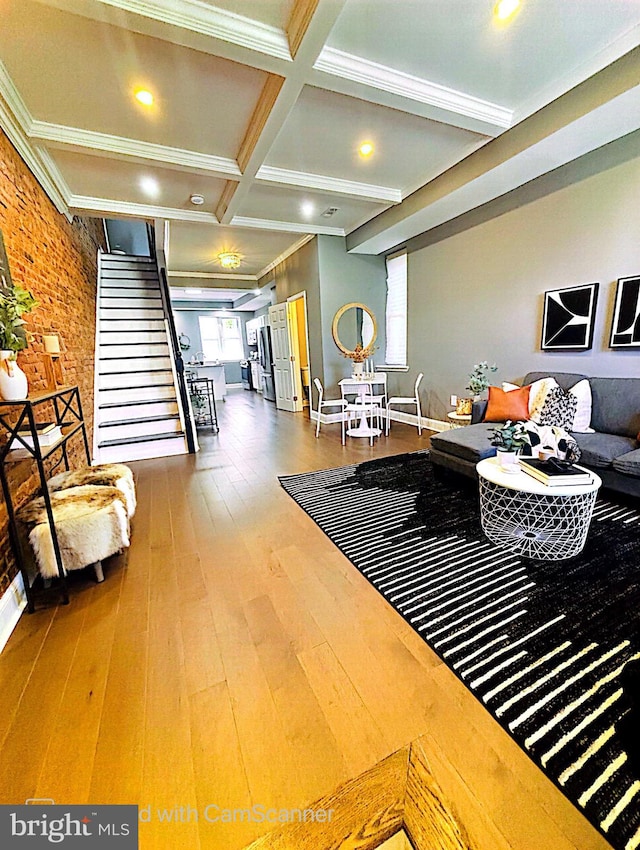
(629, 464)
(472, 443)
(513, 404)
(616, 405)
(559, 409)
(600, 450)
(565, 379)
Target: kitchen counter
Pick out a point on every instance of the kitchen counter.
(213, 370)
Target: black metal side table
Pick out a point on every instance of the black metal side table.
(203, 403)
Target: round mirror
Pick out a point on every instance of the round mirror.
(354, 324)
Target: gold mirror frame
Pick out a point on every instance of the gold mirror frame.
(338, 316)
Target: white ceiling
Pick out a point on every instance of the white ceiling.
(260, 106)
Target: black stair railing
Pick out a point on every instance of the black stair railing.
(173, 337)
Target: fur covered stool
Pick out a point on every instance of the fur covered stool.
(104, 475)
(92, 523)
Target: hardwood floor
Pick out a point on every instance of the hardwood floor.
(234, 658)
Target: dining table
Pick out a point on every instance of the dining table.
(362, 386)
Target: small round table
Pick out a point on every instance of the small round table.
(531, 518)
(459, 420)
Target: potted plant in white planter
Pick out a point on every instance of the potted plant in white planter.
(14, 303)
(509, 440)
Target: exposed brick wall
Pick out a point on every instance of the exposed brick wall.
(57, 261)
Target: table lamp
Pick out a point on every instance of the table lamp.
(52, 362)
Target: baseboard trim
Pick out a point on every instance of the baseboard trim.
(12, 604)
(396, 416)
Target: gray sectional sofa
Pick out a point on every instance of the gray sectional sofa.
(613, 451)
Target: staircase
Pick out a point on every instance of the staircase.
(136, 405)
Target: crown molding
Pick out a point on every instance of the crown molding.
(371, 74)
(286, 254)
(332, 185)
(212, 22)
(15, 120)
(104, 143)
(108, 206)
(286, 226)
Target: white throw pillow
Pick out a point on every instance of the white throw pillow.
(582, 419)
(537, 394)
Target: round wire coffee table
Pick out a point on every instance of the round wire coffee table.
(527, 516)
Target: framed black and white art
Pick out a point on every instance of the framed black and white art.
(568, 319)
(625, 327)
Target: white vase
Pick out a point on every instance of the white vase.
(508, 460)
(358, 368)
(13, 381)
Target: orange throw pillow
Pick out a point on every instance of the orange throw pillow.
(502, 405)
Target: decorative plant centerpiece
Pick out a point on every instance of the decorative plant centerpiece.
(509, 440)
(359, 355)
(14, 303)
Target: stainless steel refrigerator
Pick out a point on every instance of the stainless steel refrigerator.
(266, 363)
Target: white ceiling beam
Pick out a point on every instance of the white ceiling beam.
(454, 107)
(310, 44)
(285, 226)
(212, 276)
(119, 147)
(127, 209)
(331, 185)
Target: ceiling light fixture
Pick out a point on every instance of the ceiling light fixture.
(504, 9)
(150, 186)
(307, 209)
(197, 200)
(145, 97)
(256, 291)
(365, 149)
(229, 260)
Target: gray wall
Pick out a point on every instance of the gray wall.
(345, 278)
(479, 294)
(128, 236)
(187, 323)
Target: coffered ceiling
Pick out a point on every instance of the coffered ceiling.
(261, 107)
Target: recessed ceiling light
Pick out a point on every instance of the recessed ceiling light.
(229, 260)
(256, 291)
(504, 9)
(150, 186)
(307, 209)
(365, 149)
(145, 97)
(198, 200)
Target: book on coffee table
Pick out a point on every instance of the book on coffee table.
(555, 475)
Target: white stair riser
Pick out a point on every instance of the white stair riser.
(142, 451)
(139, 394)
(142, 429)
(126, 366)
(131, 303)
(123, 337)
(127, 289)
(135, 314)
(142, 379)
(158, 349)
(161, 408)
(132, 325)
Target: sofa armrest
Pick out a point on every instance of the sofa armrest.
(478, 410)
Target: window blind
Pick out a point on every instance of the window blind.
(396, 311)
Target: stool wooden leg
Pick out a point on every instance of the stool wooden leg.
(98, 571)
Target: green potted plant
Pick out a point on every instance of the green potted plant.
(509, 440)
(479, 378)
(14, 303)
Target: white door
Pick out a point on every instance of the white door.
(283, 359)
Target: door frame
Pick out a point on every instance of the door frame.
(295, 346)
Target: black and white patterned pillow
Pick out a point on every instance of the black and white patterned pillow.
(559, 409)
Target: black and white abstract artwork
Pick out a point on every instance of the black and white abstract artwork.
(569, 316)
(625, 328)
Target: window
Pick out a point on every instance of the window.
(221, 338)
(396, 311)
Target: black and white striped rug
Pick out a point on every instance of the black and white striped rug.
(542, 645)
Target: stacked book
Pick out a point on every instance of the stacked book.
(48, 434)
(554, 473)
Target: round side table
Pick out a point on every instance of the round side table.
(532, 519)
(459, 420)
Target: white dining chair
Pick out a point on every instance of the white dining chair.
(329, 402)
(415, 399)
